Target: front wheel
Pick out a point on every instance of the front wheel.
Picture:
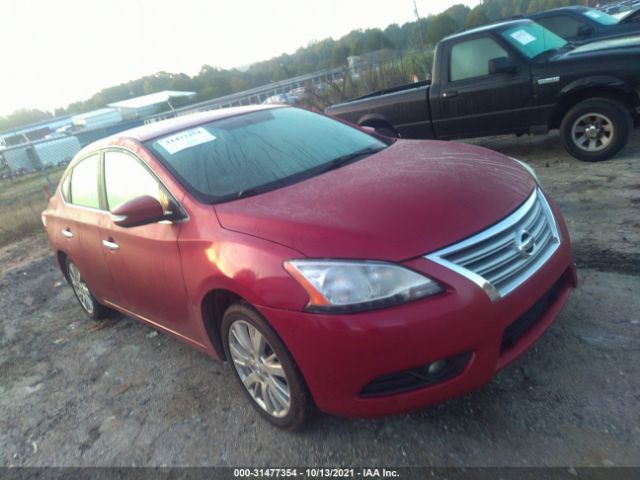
(387, 132)
(265, 369)
(596, 129)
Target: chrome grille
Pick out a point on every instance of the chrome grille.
(502, 257)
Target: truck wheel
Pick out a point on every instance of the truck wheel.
(387, 132)
(595, 129)
(265, 369)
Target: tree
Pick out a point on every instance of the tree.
(339, 55)
(439, 27)
(477, 17)
(376, 40)
(23, 116)
(458, 13)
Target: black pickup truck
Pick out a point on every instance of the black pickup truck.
(515, 77)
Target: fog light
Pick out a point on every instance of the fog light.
(436, 367)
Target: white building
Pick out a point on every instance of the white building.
(102, 117)
(148, 104)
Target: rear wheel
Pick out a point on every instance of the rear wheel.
(596, 129)
(265, 369)
(87, 301)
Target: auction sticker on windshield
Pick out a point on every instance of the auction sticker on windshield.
(186, 139)
(523, 37)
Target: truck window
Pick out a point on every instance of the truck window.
(532, 39)
(471, 58)
(562, 25)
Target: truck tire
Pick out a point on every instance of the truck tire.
(387, 132)
(596, 129)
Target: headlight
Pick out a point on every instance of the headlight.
(528, 168)
(352, 286)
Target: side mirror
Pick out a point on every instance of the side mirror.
(584, 31)
(502, 65)
(139, 211)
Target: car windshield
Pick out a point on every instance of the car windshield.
(600, 17)
(259, 151)
(533, 39)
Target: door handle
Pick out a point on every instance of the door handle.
(67, 233)
(110, 244)
(450, 94)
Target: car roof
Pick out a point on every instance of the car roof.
(572, 8)
(165, 127)
(150, 131)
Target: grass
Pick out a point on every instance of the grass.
(21, 201)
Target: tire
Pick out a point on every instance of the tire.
(266, 389)
(387, 132)
(596, 129)
(90, 306)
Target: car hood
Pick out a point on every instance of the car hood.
(409, 199)
(630, 17)
(605, 46)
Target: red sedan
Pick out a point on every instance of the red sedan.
(332, 268)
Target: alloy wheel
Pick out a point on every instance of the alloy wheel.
(259, 368)
(81, 289)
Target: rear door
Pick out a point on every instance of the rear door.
(471, 102)
(80, 226)
(144, 261)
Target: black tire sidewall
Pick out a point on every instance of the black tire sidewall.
(301, 405)
(614, 110)
(387, 132)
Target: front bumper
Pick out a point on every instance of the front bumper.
(339, 355)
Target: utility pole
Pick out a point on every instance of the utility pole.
(422, 52)
(415, 10)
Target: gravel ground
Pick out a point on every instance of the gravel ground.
(77, 393)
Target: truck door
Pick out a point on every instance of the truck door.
(469, 101)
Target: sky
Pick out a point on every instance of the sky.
(55, 52)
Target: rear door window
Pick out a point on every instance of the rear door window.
(84, 183)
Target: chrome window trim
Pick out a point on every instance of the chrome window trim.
(101, 152)
(505, 224)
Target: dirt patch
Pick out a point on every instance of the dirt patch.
(586, 256)
(23, 252)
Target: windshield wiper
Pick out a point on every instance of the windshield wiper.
(350, 157)
(333, 164)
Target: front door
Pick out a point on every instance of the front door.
(144, 261)
(472, 102)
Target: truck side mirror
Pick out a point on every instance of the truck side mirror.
(502, 65)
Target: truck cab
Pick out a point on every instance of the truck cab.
(515, 77)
